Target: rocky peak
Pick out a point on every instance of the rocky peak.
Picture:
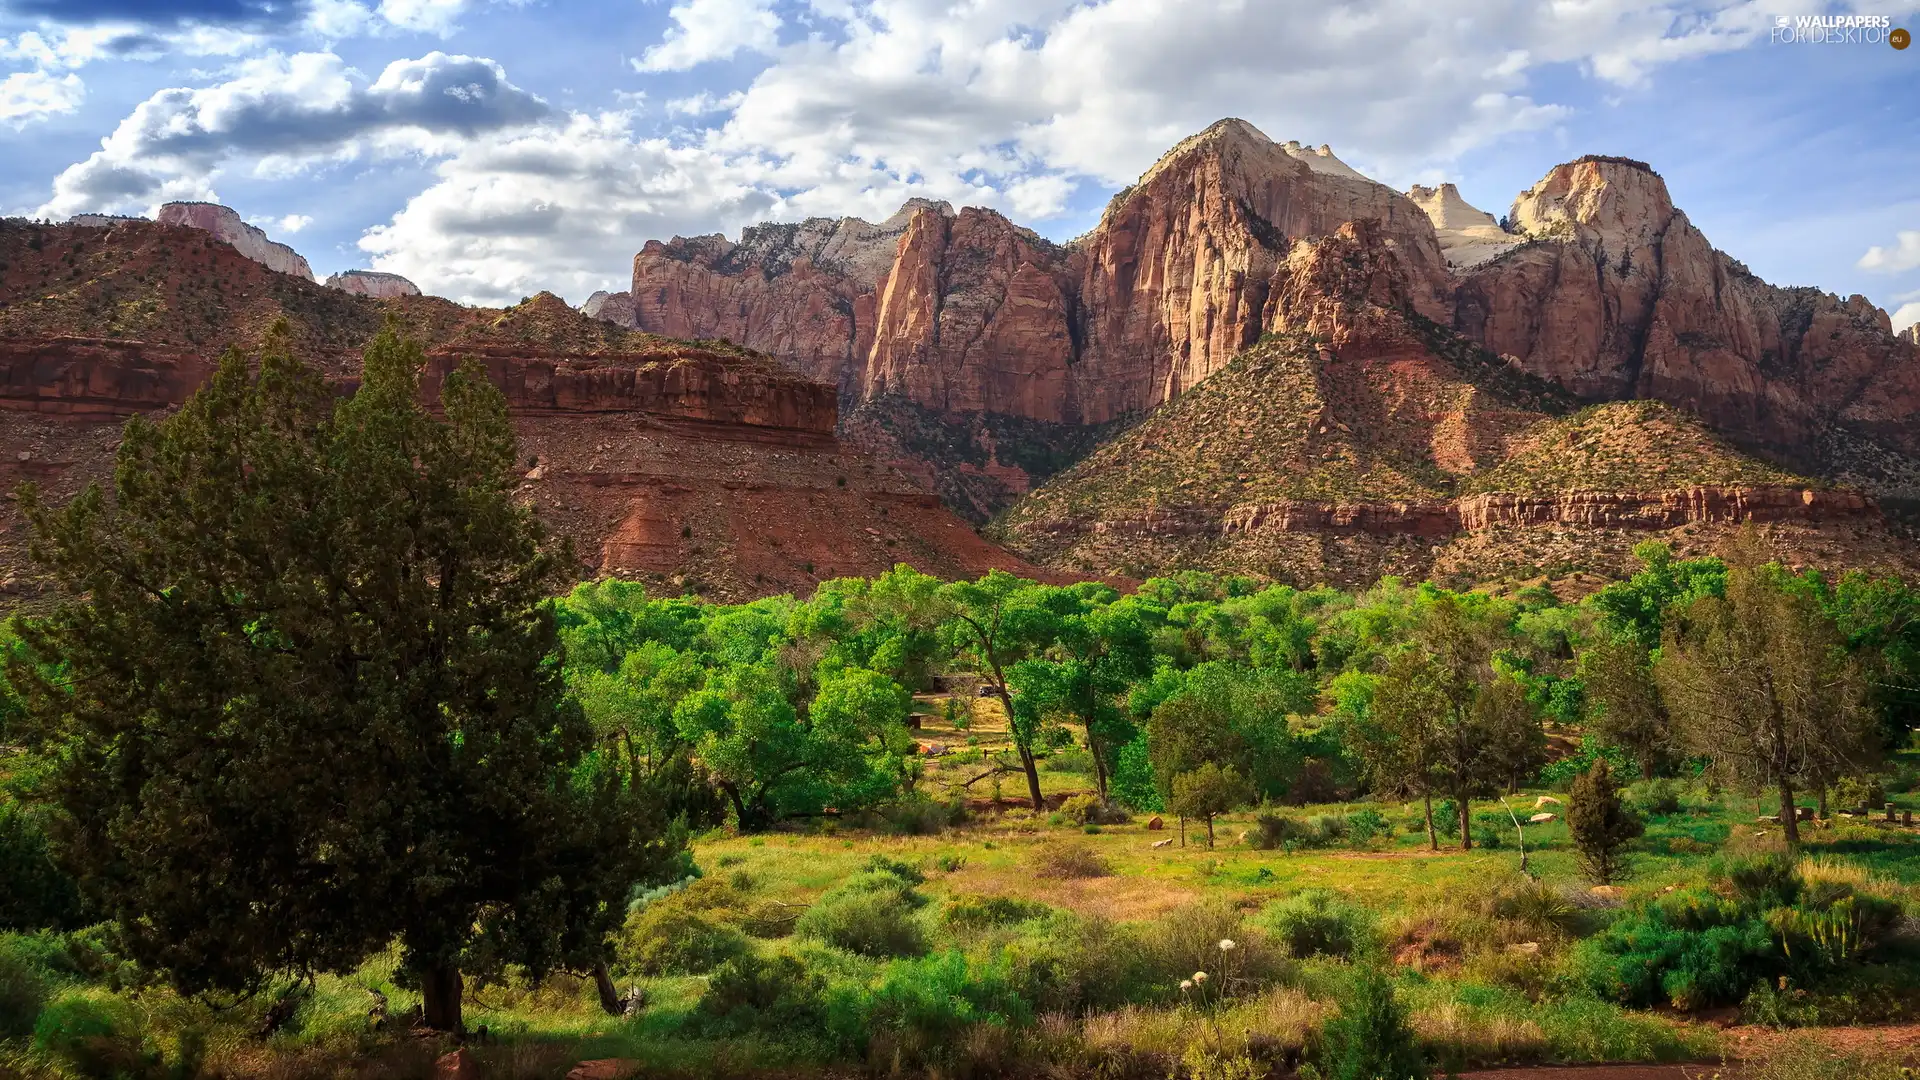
(1617, 200)
(372, 283)
(1468, 235)
(615, 308)
(1321, 160)
(224, 223)
(100, 221)
(1911, 335)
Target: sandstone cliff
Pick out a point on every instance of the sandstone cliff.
(701, 467)
(1619, 296)
(372, 283)
(616, 308)
(224, 222)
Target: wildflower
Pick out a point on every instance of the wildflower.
(1226, 944)
(1199, 977)
(1186, 985)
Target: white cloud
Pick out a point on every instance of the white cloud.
(429, 16)
(293, 223)
(704, 104)
(283, 113)
(561, 208)
(27, 96)
(1014, 104)
(1903, 255)
(712, 30)
(1906, 315)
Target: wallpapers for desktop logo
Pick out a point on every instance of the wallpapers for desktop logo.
(1838, 30)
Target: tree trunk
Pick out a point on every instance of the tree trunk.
(1433, 837)
(1209, 832)
(1466, 834)
(440, 991)
(739, 805)
(1099, 766)
(609, 997)
(1033, 779)
(1820, 797)
(1183, 830)
(1789, 813)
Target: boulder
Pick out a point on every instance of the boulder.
(1541, 819)
(1154, 824)
(458, 1065)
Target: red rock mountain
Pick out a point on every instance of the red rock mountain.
(694, 465)
(936, 324)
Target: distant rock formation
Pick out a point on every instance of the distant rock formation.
(1469, 236)
(616, 308)
(1911, 334)
(224, 222)
(372, 283)
(100, 221)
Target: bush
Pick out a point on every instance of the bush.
(1600, 823)
(922, 1006)
(667, 938)
(1370, 1039)
(1861, 794)
(754, 993)
(1655, 798)
(973, 912)
(1317, 922)
(1089, 810)
(23, 990)
(81, 1032)
(1188, 940)
(1068, 861)
(1367, 824)
(1274, 830)
(918, 815)
(871, 914)
(1074, 965)
(903, 871)
(38, 894)
(1768, 879)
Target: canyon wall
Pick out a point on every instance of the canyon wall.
(372, 283)
(224, 223)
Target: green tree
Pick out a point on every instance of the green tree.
(313, 701)
(1101, 647)
(1602, 825)
(1626, 708)
(1209, 791)
(1759, 681)
(993, 624)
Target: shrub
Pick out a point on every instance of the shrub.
(1370, 1039)
(81, 1032)
(1656, 798)
(1317, 922)
(1089, 810)
(750, 992)
(981, 911)
(1074, 965)
(871, 914)
(23, 990)
(1692, 949)
(672, 939)
(1188, 940)
(918, 815)
(1068, 861)
(922, 1005)
(1602, 826)
(1366, 824)
(1768, 879)
(1859, 793)
(904, 871)
(39, 895)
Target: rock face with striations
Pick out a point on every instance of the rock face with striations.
(372, 283)
(616, 308)
(224, 222)
(1621, 296)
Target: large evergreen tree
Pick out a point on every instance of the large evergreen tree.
(313, 701)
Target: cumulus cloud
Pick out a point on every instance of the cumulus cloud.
(706, 30)
(1015, 104)
(282, 112)
(558, 208)
(1903, 255)
(1906, 315)
(26, 96)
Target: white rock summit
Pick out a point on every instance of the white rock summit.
(224, 222)
(373, 283)
(1468, 235)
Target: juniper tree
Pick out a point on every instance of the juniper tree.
(1601, 824)
(312, 701)
(1759, 681)
(1209, 791)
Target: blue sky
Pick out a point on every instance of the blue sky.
(491, 148)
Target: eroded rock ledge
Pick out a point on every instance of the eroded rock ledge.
(1593, 509)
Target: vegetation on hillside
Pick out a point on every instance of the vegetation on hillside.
(310, 757)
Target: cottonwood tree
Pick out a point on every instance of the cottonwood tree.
(1760, 682)
(1444, 718)
(1101, 648)
(993, 624)
(1209, 791)
(312, 700)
